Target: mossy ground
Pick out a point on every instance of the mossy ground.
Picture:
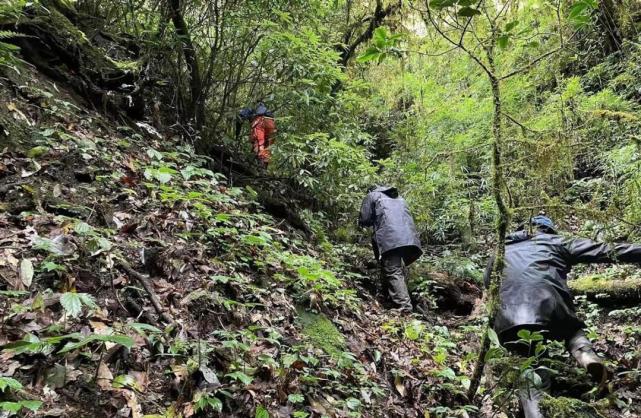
(561, 407)
(321, 332)
(605, 284)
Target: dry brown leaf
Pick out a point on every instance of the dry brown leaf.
(141, 378)
(100, 328)
(104, 377)
(26, 272)
(400, 385)
(132, 403)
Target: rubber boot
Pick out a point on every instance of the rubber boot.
(530, 403)
(581, 349)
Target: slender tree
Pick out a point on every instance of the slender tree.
(479, 29)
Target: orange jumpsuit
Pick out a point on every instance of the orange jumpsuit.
(263, 131)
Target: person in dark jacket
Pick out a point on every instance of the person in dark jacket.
(534, 294)
(395, 241)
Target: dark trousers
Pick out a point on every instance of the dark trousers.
(395, 280)
(530, 394)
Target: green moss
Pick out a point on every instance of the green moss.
(561, 407)
(603, 283)
(321, 332)
(132, 65)
(37, 151)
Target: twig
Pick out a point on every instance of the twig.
(144, 281)
(516, 122)
(530, 64)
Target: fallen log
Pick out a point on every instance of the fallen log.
(144, 282)
(606, 290)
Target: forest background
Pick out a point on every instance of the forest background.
(483, 114)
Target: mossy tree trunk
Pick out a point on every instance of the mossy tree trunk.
(493, 301)
(194, 108)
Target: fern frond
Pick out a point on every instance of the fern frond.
(6, 34)
(8, 47)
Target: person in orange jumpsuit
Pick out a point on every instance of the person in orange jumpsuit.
(263, 131)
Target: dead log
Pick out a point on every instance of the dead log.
(607, 291)
(144, 282)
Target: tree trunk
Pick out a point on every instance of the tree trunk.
(502, 224)
(195, 107)
(348, 47)
(606, 20)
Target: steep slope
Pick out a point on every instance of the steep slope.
(136, 282)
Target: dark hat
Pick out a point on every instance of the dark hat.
(543, 222)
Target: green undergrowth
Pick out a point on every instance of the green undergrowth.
(321, 332)
(228, 273)
(562, 407)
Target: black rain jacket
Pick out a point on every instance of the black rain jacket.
(534, 291)
(393, 225)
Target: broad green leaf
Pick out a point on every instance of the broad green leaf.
(441, 4)
(468, 12)
(370, 54)
(447, 373)
(413, 330)
(532, 378)
(511, 25)
(295, 398)
(14, 407)
(581, 11)
(503, 41)
(380, 37)
(123, 340)
(144, 327)
(352, 403)
(123, 381)
(50, 266)
(153, 154)
(493, 353)
(240, 377)
(71, 303)
(261, 412)
(83, 228)
(8, 382)
(87, 300)
(494, 338)
(31, 405)
(13, 293)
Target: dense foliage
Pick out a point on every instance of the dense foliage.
(119, 130)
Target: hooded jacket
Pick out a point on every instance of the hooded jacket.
(534, 290)
(393, 225)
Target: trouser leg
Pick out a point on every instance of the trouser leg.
(581, 349)
(394, 277)
(530, 392)
(530, 395)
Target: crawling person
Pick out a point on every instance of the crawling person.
(395, 241)
(534, 295)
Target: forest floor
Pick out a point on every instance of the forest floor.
(100, 221)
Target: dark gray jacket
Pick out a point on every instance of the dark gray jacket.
(534, 291)
(393, 224)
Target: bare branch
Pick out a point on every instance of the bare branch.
(530, 64)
